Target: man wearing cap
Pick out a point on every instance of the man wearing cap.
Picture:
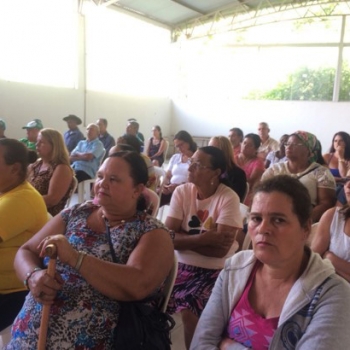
(107, 139)
(73, 135)
(33, 129)
(2, 129)
(86, 157)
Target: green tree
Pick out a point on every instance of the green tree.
(308, 84)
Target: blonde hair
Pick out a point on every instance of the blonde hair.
(60, 153)
(225, 145)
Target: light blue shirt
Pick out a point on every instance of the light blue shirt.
(90, 167)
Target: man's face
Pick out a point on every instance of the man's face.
(263, 131)
(102, 126)
(32, 134)
(72, 124)
(131, 129)
(92, 132)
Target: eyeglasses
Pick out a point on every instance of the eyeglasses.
(197, 165)
(289, 144)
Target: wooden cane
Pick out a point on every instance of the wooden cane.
(51, 252)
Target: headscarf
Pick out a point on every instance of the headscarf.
(310, 141)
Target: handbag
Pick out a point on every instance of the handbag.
(141, 324)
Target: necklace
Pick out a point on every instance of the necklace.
(112, 223)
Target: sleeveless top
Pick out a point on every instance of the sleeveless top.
(40, 180)
(335, 171)
(339, 241)
(153, 149)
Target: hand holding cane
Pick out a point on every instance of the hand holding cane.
(51, 252)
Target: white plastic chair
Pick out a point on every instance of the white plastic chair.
(84, 187)
(169, 284)
(165, 153)
(5, 336)
(163, 213)
(312, 233)
(245, 193)
(152, 201)
(244, 214)
(160, 175)
(75, 185)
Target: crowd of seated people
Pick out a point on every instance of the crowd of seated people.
(204, 187)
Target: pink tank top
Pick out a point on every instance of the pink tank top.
(246, 326)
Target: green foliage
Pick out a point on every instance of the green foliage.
(309, 85)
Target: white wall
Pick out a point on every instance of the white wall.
(209, 118)
(21, 103)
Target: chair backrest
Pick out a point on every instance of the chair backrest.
(246, 192)
(73, 188)
(152, 201)
(103, 156)
(160, 175)
(163, 213)
(244, 214)
(166, 149)
(312, 233)
(168, 286)
(84, 187)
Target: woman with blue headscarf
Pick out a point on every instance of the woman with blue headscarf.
(302, 149)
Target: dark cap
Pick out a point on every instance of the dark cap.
(34, 124)
(73, 117)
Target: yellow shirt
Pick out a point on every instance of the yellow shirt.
(22, 214)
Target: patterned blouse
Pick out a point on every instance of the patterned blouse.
(41, 181)
(81, 317)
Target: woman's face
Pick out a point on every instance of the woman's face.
(277, 236)
(200, 172)
(248, 147)
(338, 142)
(182, 146)
(43, 146)
(114, 187)
(295, 149)
(155, 132)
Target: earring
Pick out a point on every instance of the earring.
(212, 182)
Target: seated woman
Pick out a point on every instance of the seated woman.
(156, 147)
(133, 141)
(301, 151)
(51, 174)
(205, 216)
(236, 177)
(332, 238)
(279, 155)
(249, 161)
(85, 291)
(178, 165)
(280, 295)
(22, 214)
(339, 155)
